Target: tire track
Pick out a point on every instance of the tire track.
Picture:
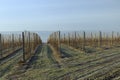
(10, 56)
(45, 58)
(101, 66)
(7, 66)
(51, 57)
(88, 64)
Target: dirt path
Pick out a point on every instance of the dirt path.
(40, 66)
(45, 58)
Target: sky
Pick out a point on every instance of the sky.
(64, 15)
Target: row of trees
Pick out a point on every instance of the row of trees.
(9, 43)
(28, 41)
(55, 40)
(81, 40)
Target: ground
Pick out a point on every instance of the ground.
(96, 64)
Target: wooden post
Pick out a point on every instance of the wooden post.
(59, 45)
(64, 38)
(23, 39)
(55, 40)
(84, 40)
(112, 40)
(79, 41)
(13, 41)
(100, 39)
(91, 39)
(29, 42)
(118, 38)
(75, 40)
(34, 41)
(20, 40)
(9, 41)
(95, 40)
(107, 38)
(68, 39)
(71, 38)
(0, 46)
(3, 43)
(37, 39)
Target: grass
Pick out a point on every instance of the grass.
(7, 67)
(96, 64)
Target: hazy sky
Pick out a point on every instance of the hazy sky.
(47, 15)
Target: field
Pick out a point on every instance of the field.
(63, 57)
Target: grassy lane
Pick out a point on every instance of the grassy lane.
(81, 59)
(8, 66)
(74, 65)
(10, 56)
(18, 70)
(46, 68)
(43, 67)
(111, 73)
(51, 57)
(92, 71)
(9, 51)
(88, 62)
